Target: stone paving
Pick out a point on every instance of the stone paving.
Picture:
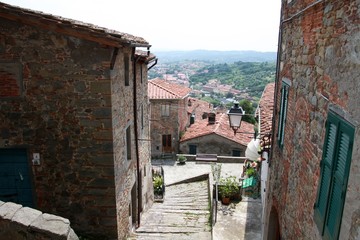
(240, 221)
(184, 214)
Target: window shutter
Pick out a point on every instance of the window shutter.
(339, 181)
(334, 176)
(325, 173)
(282, 115)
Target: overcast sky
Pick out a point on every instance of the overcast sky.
(177, 24)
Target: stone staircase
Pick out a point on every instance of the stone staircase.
(184, 214)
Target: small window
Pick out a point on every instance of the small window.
(282, 114)
(128, 143)
(127, 70)
(144, 170)
(236, 153)
(165, 110)
(192, 149)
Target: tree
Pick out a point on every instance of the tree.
(247, 106)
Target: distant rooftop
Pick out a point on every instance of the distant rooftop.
(201, 127)
(162, 89)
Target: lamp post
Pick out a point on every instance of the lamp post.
(235, 114)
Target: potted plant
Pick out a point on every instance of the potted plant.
(158, 183)
(228, 188)
(181, 159)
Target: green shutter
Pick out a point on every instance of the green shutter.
(334, 175)
(282, 114)
(325, 175)
(339, 180)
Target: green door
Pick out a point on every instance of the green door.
(15, 185)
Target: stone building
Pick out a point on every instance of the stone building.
(169, 115)
(74, 123)
(213, 135)
(315, 160)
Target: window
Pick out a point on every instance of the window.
(165, 110)
(192, 149)
(335, 165)
(128, 143)
(236, 153)
(282, 115)
(126, 67)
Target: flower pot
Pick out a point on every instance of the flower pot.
(225, 200)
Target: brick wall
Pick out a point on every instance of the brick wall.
(319, 57)
(65, 114)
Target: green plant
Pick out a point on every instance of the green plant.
(181, 158)
(158, 184)
(250, 172)
(228, 187)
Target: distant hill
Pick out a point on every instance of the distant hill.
(215, 56)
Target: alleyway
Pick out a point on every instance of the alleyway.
(183, 215)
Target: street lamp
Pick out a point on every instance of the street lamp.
(235, 114)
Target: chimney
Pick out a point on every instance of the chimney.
(211, 118)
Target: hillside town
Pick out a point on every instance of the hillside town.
(91, 147)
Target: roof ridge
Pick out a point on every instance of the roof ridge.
(163, 88)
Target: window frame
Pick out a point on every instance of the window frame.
(192, 146)
(165, 110)
(236, 150)
(334, 175)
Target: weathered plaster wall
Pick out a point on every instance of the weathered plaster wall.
(64, 113)
(320, 59)
(213, 144)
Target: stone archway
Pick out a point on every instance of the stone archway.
(273, 232)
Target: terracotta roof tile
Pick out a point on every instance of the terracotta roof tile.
(221, 128)
(199, 107)
(267, 106)
(70, 27)
(161, 89)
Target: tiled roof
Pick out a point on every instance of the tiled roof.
(161, 89)
(221, 128)
(145, 55)
(70, 27)
(198, 107)
(267, 106)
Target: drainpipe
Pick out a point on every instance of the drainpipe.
(153, 64)
(135, 59)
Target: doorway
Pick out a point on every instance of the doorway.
(15, 180)
(166, 143)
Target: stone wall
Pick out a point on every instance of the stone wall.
(212, 143)
(18, 222)
(319, 58)
(165, 125)
(63, 112)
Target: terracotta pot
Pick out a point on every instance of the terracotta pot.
(225, 200)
